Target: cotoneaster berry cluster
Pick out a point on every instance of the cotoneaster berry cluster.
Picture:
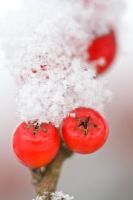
(83, 131)
(55, 51)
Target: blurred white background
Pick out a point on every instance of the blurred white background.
(106, 175)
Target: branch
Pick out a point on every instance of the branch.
(46, 180)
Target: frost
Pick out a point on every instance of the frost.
(45, 44)
(55, 196)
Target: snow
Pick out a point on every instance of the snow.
(55, 196)
(50, 100)
(45, 44)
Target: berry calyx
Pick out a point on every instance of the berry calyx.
(35, 144)
(84, 130)
(103, 51)
(85, 124)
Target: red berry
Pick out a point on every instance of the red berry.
(103, 47)
(36, 146)
(84, 130)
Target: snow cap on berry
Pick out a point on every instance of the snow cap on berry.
(52, 99)
(45, 51)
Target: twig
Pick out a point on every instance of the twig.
(46, 181)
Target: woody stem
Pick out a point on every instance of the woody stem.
(47, 181)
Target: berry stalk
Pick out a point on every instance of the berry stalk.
(49, 179)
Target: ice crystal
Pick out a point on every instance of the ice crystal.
(55, 196)
(45, 44)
